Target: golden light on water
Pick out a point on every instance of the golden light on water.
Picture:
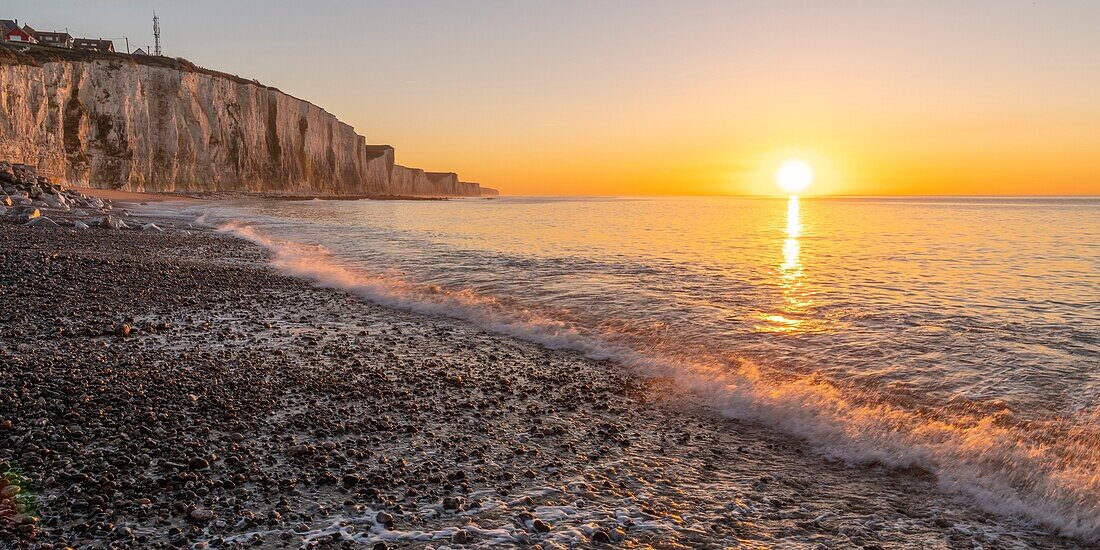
(794, 315)
(794, 175)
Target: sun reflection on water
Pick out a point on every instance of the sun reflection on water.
(797, 303)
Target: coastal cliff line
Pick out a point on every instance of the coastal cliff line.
(158, 124)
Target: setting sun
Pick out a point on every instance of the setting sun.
(794, 175)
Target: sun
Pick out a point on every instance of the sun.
(794, 175)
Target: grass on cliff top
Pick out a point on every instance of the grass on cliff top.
(38, 55)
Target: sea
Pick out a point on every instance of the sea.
(955, 335)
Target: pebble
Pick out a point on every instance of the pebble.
(201, 514)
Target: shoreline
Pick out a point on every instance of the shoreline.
(242, 406)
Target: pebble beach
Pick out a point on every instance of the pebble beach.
(168, 389)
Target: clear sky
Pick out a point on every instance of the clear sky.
(672, 97)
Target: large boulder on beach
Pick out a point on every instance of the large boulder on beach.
(111, 222)
(42, 221)
(24, 213)
(54, 201)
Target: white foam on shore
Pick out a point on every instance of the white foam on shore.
(1043, 472)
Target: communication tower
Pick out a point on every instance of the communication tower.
(156, 34)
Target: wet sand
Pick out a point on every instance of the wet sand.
(170, 389)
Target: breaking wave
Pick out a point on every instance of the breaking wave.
(1043, 472)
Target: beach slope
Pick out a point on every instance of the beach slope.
(169, 388)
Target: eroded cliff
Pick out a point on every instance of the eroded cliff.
(157, 124)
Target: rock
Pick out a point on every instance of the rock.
(601, 537)
(41, 222)
(6, 201)
(54, 201)
(123, 329)
(350, 480)
(300, 450)
(24, 213)
(540, 526)
(80, 225)
(112, 222)
(201, 514)
(453, 503)
(151, 227)
(460, 537)
(24, 519)
(198, 463)
(384, 518)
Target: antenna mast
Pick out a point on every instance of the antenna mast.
(156, 33)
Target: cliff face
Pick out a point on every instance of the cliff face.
(110, 121)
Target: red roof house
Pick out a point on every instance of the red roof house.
(19, 35)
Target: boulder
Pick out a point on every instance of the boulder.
(24, 213)
(42, 221)
(111, 222)
(55, 201)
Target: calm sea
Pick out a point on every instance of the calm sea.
(957, 335)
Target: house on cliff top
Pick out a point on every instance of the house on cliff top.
(99, 45)
(55, 39)
(12, 32)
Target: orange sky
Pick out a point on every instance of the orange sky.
(699, 97)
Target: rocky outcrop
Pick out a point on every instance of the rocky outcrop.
(112, 120)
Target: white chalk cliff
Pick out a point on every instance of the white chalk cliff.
(160, 124)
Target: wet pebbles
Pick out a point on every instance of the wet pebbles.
(163, 390)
